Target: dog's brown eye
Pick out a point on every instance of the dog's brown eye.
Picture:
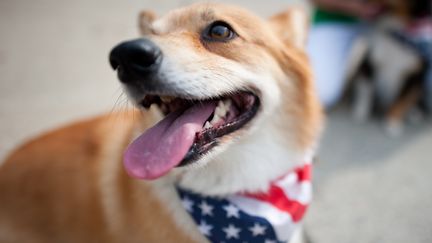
(219, 31)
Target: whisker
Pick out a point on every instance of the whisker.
(116, 103)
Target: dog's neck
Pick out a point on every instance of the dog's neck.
(276, 212)
(247, 166)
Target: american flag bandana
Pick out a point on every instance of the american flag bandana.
(263, 217)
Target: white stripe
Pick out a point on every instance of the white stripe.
(281, 221)
(295, 190)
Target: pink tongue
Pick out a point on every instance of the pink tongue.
(164, 146)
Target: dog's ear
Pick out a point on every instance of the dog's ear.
(291, 26)
(145, 20)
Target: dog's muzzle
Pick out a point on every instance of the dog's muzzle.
(135, 59)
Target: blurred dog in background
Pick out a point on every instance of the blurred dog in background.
(389, 70)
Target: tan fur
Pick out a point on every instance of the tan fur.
(145, 18)
(296, 33)
(69, 185)
(51, 190)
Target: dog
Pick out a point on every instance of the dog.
(226, 110)
(388, 81)
(389, 69)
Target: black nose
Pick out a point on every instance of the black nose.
(135, 59)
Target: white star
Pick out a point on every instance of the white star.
(187, 204)
(257, 229)
(232, 211)
(270, 241)
(231, 232)
(205, 228)
(206, 209)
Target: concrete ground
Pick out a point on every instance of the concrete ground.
(54, 69)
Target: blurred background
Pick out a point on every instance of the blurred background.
(373, 180)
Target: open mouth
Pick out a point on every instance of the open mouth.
(190, 129)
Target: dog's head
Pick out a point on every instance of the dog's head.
(231, 86)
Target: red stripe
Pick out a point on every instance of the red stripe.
(304, 173)
(278, 199)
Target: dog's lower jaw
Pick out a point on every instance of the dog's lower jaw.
(265, 152)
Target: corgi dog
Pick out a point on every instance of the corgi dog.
(226, 110)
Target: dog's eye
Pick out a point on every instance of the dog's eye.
(219, 31)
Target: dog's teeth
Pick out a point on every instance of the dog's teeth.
(207, 125)
(216, 118)
(221, 109)
(166, 99)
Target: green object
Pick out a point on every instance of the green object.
(323, 16)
